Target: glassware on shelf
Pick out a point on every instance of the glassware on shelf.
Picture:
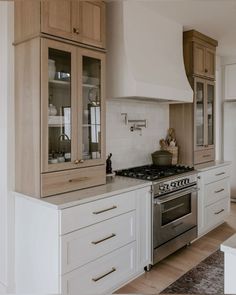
(52, 110)
(51, 69)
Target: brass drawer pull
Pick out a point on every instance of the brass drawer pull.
(105, 210)
(219, 191)
(104, 239)
(222, 210)
(78, 179)
(78, 161)
(206, 156)
(103, 276)
(221, 173)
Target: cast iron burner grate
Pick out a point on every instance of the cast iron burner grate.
(152, 172)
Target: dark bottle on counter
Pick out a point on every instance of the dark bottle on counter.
(109, 164)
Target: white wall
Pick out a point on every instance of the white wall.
(6, 147)
(129, 149)
(229, 122)
(218, 110)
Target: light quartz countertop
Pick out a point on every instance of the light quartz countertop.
(117, 185)
(211, 165)
(229, 246)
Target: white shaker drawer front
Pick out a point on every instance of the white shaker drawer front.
(217, 191)
(101, 275)
(90, 243)
(90, 213)
(216, 174)
(216, 213)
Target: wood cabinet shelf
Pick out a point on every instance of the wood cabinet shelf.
(90, 86)
(60, 82)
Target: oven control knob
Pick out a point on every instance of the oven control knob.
(187, 180)
(173, 184)
(161, 187)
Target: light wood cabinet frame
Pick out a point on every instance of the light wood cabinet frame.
(46, 44)
(76, 21)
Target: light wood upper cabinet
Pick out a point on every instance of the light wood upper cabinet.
(75, 20)
(210, 62)
(199, 59)
(92, 22)
(60, 18)
(199, 54)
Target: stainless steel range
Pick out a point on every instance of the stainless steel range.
(174, 210)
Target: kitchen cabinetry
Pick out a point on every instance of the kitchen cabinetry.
(204, 120)
(213, 197)
(79, 21)
(199, 54)
(60, 117)
(90, 248)
(195, 124)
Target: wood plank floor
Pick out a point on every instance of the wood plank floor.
(170, 269)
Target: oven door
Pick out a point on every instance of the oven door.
(173, 215)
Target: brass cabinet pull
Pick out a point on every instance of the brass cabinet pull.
(78, 179)
(104, 239)
(206, 156)
(76, 31)
(206, 70)
(104, 275)
(222, 210)
(219, 191)
(221, 173)
(78, 161)
(104, 210)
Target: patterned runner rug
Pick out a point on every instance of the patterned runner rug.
(205, 278)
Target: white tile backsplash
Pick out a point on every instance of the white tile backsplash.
(128, 148)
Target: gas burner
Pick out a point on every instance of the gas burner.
(154, 173)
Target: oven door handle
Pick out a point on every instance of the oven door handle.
(174, 196)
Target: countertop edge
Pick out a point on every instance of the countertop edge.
(213, 166)
(43, 202)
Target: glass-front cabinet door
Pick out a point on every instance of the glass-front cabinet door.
(73, 108)
(199, 113)
(210, 112)
(92, 93)
(204, 114)
(59, 105)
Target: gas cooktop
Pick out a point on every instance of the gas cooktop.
(153, 172)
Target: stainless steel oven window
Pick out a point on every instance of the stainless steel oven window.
(175, 209)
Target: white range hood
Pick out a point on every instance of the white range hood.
(145, 54)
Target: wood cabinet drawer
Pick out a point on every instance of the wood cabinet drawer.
(90, 243)
(217, 191)
(216, 174)
(90, 213)
(203, 156)
(71, 180)
(101, 275)
(216, 212)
